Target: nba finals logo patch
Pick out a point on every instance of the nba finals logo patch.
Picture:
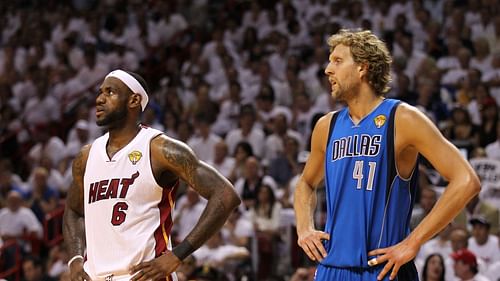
(134, 156)
(380, 120)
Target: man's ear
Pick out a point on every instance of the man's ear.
(135, 101)
(362, 70)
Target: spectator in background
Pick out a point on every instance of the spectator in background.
(434, 269)
(17, 221)
(150, 119)
(42, 198)
(450, 60)
(274, 144)
(303, 114)
(203, 105)
(184, 131)
(221, 160)
(483, 244)
(227, 119)
(34, 270)
(304, 274)
(478, 208)
(217, 254)
(494, 38)
(466, 92)
(170, 123)
(242, 151)
(248, 185)
(404, 91)
(248, 131)
(54, 177)
(494, 269)
(438, 245)
(489, 121)
(186, 268)
(466, 266)
(46, 145)
(265, 215)
(287, 198)
(459, 238)
(188, 210)
(238, 230)
(429, 100)
(492, 77)
(265, 104)
(204, 141)
(460, 131)
(42, 109)
(428, 197)
(57, 263)
(493, 149)
(208, 273)
(284, 166)
(482, 56)
(8, 182)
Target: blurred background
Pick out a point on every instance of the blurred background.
(242, 82)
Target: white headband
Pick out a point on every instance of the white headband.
(132, 84)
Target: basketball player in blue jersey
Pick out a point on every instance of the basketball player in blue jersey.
(119, 207)
(367, 155)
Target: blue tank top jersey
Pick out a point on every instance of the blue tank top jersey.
(369, 205)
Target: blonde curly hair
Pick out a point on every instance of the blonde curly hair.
(367, 48)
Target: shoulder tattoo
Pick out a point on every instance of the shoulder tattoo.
(180, 157)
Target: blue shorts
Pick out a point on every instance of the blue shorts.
(407, 272)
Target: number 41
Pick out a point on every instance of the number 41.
(357, 174)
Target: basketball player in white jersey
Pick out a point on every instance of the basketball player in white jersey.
(119, 206)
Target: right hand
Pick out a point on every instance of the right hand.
(310, 242)
(76, 271)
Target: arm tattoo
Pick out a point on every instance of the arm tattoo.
(209, 183)
(73, 223)
(184, 161)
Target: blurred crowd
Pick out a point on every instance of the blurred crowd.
(242, 82)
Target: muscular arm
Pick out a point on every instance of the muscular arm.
(179, 159)
(73, 225)
(416, 133)
(305, 193)
(446, 159)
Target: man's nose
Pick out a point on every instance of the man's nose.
(329, 69)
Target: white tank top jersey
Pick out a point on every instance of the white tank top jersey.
(128, 216)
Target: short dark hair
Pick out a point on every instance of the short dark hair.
(245, 146)
(37, 262)
(247, 109)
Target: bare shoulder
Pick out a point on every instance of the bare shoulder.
(80, 160)
(171, 153)
(74, 199)
(412, 121)
(320, 132)
(414, 128)
(324, 122)
(85, 150)
(407, 113)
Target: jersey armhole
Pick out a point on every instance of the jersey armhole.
(332, 126)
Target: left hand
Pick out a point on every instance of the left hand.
(395, 256)
(155, 269)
